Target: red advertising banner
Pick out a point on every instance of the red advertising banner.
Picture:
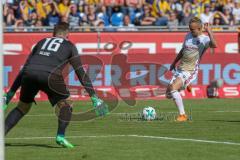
(148, 52)
(102, 43)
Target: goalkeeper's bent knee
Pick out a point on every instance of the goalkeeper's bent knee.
(64, 111)
(24, 107)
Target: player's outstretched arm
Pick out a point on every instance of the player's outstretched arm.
(16, 84)
(208, 29)
(100, 107)
(179, 56)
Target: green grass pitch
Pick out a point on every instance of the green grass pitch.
(213, 133)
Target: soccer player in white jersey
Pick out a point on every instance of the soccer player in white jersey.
(195, 44)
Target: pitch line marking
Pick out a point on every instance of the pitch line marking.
(50, 115)
(138, 136)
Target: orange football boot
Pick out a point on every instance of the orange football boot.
(182, 118)
(189, 88)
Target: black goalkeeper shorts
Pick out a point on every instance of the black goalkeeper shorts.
(35, 81)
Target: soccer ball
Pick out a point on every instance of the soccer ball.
(149, 113)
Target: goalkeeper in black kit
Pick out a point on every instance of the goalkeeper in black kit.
(46, 56)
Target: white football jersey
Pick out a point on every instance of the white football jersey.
(193, 49)
(201, 43)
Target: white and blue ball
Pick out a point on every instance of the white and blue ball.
(149, 113)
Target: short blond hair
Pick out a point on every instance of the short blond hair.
(195, 20)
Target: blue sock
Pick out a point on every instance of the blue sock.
(64, 119)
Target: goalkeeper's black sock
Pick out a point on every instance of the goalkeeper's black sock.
(12, 119)
(64, 119)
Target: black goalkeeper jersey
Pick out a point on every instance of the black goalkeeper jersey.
(53, 54)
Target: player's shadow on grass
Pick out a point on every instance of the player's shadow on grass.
(30, 145)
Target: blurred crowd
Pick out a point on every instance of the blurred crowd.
(120, 13)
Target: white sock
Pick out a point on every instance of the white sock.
(178, 100)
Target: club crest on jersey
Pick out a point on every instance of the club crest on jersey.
(196, 41)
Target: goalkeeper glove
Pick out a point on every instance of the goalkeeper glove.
(7, 98)
(101, 108)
